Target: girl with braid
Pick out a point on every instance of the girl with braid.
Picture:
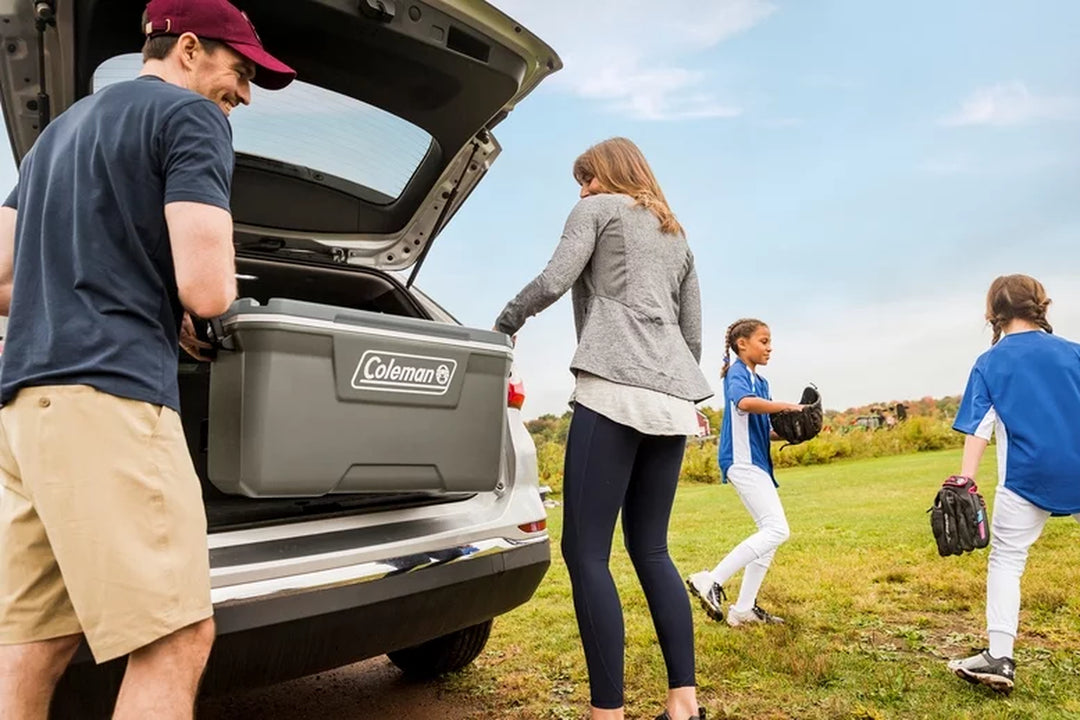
(746, 463)
(1025, 388)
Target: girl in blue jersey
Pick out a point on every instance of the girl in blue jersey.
(1026, 389)
(746, 463)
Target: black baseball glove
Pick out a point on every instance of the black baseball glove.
(798, 426)
(958, 518)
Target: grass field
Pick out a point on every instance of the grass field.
(872, 613)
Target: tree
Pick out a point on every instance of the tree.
(550, 428)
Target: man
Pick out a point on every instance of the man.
(119, 227)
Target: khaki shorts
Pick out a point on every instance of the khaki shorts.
(102, 526)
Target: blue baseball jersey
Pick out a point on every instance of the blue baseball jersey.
(1026, 389)
(744, 437)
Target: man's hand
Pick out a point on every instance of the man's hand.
(191, 344)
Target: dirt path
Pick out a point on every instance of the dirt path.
(371, 689)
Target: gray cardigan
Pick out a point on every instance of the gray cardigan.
(637, 305)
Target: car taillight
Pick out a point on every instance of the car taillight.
(533, 526)
(515, 394)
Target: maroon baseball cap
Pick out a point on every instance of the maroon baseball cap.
(222, 21)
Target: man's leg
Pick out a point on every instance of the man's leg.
(129, 537)
(28, 676)
(162, 679)
(38, 628)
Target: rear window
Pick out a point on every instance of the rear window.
(316, 128)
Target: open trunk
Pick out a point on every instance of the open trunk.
(368, 153)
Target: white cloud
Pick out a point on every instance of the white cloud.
(1012, 104)
(635, 56)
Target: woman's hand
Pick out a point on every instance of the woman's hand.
(513, 338)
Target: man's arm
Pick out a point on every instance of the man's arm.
(201, 237)
(198, 164)
(7, 256)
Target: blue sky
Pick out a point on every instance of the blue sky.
(852, 173)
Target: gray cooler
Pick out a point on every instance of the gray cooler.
(309, 399)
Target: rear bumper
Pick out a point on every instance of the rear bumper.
(265, 639)
(293, 634)
(270, 602)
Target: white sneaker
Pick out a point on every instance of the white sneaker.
(755, 614)
(709, 592)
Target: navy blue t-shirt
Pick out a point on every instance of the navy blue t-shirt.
(94, 300)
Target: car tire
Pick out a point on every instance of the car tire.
(443, 654)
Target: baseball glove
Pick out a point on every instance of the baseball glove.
(798, 426)
(958, 518)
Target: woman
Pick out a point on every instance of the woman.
(637, 310)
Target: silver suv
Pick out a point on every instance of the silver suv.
(368, 480)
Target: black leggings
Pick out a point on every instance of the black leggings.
(611, 466)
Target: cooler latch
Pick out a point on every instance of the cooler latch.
(217, 336)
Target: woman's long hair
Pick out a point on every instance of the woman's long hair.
(620, 167)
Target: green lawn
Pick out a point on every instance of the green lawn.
(872, 613)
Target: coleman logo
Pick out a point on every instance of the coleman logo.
(397, 372)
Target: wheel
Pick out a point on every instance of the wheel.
(443, 654)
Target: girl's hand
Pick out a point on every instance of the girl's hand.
(795, 407)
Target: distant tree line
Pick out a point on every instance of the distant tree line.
(913, 426)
